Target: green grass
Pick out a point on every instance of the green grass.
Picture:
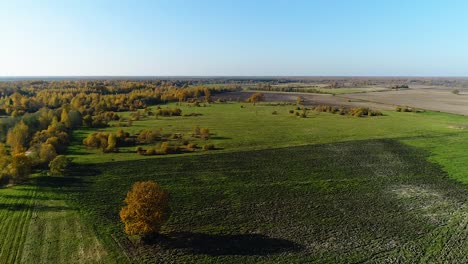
(255, 127)
(37, 225)
(374, 200)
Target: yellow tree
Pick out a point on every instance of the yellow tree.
(17, 137)
(20, 166)
(111, 143)
(64, 118)
(47, 153)
(4, 160)
(256, 97)
(207, 93)
(147, 209)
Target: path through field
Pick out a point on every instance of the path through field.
(37, 226)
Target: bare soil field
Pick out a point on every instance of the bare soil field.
(309, 99)
(429, 98)
(436, 99)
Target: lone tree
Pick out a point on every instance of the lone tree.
(147, 209)
(256, 97)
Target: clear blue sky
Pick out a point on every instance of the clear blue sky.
(254, 37)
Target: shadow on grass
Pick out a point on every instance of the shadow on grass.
(27, 207)
(219, 245)
(220, 137)
(25, 197)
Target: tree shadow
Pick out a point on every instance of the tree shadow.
(219, 245)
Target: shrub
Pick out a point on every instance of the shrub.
(208, 147)
(166, 148)
(147, 209)
(274, 113)
(456, 91)
(201, 132)
(169, 112)
(59, 165)
(291, 111)
(139, 149)
(191, 146)
(149, 136)
(150, 152)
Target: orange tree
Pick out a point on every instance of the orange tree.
(147, 209)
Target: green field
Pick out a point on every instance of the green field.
(37, 224)
(357, 201)
(279, 188)
(255, 127)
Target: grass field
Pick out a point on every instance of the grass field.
(279, 188)
(374, 200)
(38, 225)
(255, 127)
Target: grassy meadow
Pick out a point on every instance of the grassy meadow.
(278, 188)
(239, 127)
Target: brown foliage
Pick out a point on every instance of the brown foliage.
(147, 209)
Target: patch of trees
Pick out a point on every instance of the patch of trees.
(399, 86)
(94, 97)
(407, 109)
(39, 116)
(107, 142)
(34, 141)
(168, 111)
(167, 143)
(356, 112)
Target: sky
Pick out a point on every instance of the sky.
(233, 38)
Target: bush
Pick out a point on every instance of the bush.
(456, 91)
(59, 165)
(407, 109)
(169, 112)
(274, 113)
(208, 147)
(147, 209)
(149, 136)
(150, 152)
(166, 148)
(291, 111)
(201, 132)
(191, 146)
(356, 112)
